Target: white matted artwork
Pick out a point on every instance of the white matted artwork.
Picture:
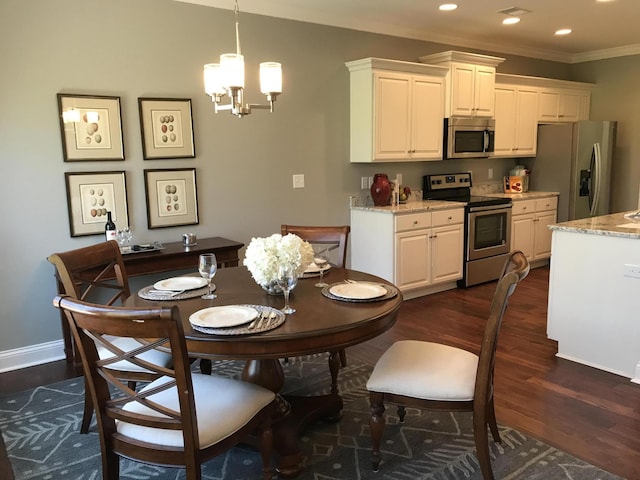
(167, 128)
(171, 197)
(90, 195)
(91, 127)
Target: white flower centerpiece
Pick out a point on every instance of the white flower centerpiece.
(264, 256)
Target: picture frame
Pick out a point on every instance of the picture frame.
(172, 198)
(166, 125)
(91, 127)
(90, 195)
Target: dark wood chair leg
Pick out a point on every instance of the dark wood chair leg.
(205, 366)
(343, 358)
(88, 411)
(266, 449)
(493, 424)
(376, 427)
(402, 412)
(482, 444)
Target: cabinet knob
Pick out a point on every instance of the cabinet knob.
(450, 218)
(524, 208)
(415, 222)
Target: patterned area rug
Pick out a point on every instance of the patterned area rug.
(40, 428)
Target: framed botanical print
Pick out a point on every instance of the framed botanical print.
(91, 127)
(171, 197)
(167, 128)
(90, 195)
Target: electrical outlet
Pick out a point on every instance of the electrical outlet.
(631, 270)
(364, 183)
(298, 181)
(490, 174)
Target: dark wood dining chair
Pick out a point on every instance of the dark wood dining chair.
(181, 419)
(331, 237)
(97, 274)
(434, 376)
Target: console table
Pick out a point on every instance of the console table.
(174, 256)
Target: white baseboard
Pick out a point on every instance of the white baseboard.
(636, 379)
(31, 355)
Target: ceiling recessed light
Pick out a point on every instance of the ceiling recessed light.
(563, 31)
(447, 7)
(510, 21)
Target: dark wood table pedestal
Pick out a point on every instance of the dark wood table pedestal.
(295, 412)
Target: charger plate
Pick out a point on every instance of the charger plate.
(390, 291)
(176, 284)
(264, 326)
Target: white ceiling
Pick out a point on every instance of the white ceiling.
(601, 29)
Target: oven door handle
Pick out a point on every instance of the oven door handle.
(488, 208)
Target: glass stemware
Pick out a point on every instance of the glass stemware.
(287, 280)
(208, 266)
(321, 259)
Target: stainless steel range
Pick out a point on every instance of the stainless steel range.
(487, 225)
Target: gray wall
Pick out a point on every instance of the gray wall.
(244, 167)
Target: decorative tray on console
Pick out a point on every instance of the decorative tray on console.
(145, 247)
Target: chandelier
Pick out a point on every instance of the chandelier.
(227, 78)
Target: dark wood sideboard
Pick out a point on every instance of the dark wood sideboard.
(174, 256)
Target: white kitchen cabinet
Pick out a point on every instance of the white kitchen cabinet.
(530, 220)
(420, 252)
(558, 100)
(516, 116)
(397, 111)
(470, 82)
(561, 105)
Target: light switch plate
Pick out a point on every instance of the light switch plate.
(298, 181)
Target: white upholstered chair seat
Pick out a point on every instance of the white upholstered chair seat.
(127, 344)
(425, 370)
(223, 406)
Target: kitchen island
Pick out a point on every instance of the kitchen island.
(594, 292)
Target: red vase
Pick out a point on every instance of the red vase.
(380, 190)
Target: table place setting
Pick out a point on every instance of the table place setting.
(359, 291)
(236, 319)
(175, 288)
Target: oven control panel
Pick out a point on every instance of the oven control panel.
(446, 181)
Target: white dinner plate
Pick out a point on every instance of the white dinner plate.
(223, 317)
(313, 268)
(181, 283)
(358, 291)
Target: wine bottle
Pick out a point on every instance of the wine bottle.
(110, 228)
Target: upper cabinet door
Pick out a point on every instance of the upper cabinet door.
(462, 89)
(392, 115)
(427, 118)
(484, 89)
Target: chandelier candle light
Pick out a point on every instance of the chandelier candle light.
(227, 77)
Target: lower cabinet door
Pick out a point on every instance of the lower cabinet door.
(412, 259)
(446, 253)
(523, 233)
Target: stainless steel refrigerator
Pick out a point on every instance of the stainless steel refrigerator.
(574, 159)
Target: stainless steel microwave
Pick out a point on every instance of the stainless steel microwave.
(468, 137)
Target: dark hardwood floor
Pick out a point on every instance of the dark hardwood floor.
(588, 413)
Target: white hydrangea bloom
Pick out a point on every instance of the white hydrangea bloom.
(264, 256)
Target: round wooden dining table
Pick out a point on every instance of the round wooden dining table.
(320, 324)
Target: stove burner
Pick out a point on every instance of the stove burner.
(456, 187)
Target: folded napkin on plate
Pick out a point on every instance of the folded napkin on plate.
(150, 293)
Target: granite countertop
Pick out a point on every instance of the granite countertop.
(523, 196)
(613, 225)
(411, 207)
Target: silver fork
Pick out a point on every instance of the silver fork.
(258, 320)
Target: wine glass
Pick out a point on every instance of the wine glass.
(207, 266)
(287, 280)
(321, 259)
